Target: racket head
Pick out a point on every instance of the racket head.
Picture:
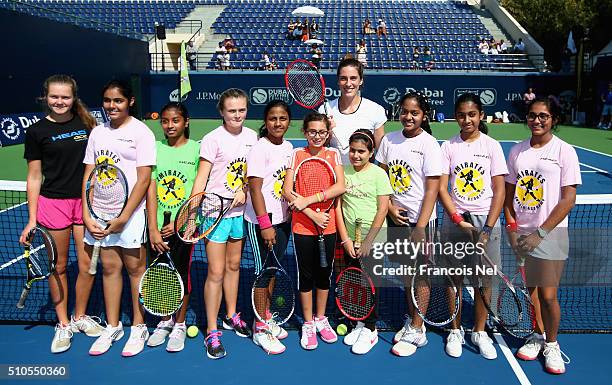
(312, 176)
(305, 83)
(273, 296)
(435, 298)
(106, 192)
(355, 293)
(199, 215)
(515, 310)
(41, 259)
(161, 288)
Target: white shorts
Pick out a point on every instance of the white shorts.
(554, 247)
(134, 233)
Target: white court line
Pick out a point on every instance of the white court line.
(516, 367)
(596, 152)
(19, 258)
(594, 168)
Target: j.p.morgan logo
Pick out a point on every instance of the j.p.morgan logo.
(262, 95)
(488, 96)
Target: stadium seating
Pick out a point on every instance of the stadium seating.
(449, 28)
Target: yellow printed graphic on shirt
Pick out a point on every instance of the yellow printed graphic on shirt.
(399, 176)
(235, 178)
(469, 183)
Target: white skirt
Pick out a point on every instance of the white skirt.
(134, 233)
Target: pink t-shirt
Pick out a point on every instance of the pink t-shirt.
(128, 147)
(539, 174)
(410, 161)
(470, 167)
(227, 153)
(269, 161)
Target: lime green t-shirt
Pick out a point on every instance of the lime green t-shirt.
(360, 198)
(174, 174)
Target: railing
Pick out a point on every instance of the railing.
(63, 17)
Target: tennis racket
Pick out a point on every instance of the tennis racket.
(199, 216)
(355, 292)
(161, 288)
(272, 294)
(40, 255)
(507, 302)
(314, 175)
(306, 84)
(106, 194)
(435, 297)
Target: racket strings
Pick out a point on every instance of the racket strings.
(161, 290)
(312, 177)
(201, 210)
(436, 299)
(41, 255)
(305, 84)
(107, 193)
(273, 296)
(355, 294)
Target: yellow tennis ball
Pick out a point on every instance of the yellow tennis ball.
(341, 329)
(280, 301)
(192, 331)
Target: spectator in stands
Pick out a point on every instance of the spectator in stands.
(265, 61)
(381, 30)
(226, 62)
(305, 32)
(606, 99)
(219, 55)
(362, 53)
(297, 32)
(290, 28)
(416, 58)
(483, 46)
(192, 56)
(367, 27)
(427, 59)
(316, 55)
(493, 48)
(314, 28)
(230, 46)
(503, 47)
(528, 96)
(273, 63)
(520, 46)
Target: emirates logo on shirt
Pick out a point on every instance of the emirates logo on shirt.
(469, 183)
(236, 173)
(400, 176)
(279, 179)
(170, 188)
(529, 194)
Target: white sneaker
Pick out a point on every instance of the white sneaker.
(264, 337)
(176, 342)
(411, 339)
(454, 342)
(553, 358)
(309, 336)
(400, 333)
(532, 347)
(353, 336)
(86, 324)
(109, 335)
(325, 330)
(163, 329)
(485, 345)
(61, 339)
(277, 331)
(135, 344)
(365, 342)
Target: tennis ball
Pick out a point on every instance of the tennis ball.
(192, 331)
(341, 329)
(280, 301)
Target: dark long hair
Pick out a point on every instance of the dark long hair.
(470, 97)
(124, 89)
(423, 105)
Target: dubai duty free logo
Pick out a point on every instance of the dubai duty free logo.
(9, 128)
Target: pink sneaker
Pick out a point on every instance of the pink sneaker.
(325, 330)
(309, 336)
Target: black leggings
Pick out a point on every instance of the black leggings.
(310, 273)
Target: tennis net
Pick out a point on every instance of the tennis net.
(586, 304)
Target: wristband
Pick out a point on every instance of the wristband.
(487, 229)
(318, 195)
(324, 197)
(343, 242)
(264, 222)
(512, 227)
(456, 218)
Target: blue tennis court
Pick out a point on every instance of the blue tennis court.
(586, 308)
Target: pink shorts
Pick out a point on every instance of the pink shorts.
(59, 214)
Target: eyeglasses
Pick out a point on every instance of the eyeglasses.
(542, 116)
(313, 133)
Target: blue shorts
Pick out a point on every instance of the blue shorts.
(228, 228)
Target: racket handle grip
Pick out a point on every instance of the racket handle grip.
(93, 265)
(167, 218)
(22, 298)
(322, 253)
